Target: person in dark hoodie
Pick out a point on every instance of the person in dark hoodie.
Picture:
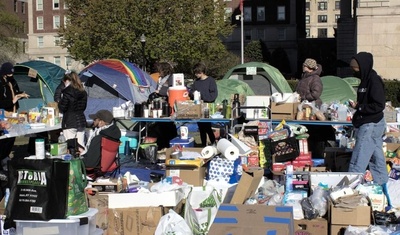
(369, 121)
(310, 85)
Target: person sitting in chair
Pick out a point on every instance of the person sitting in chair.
(104, 126)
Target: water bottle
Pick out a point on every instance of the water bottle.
(289, 179)
(61, 138)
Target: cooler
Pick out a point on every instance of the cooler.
(189, 143)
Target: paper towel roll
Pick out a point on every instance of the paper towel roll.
(209, 152)
(228, 150)
(276, 97)
(242, 147)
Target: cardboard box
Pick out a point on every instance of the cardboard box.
(192, 163)
(287, 111)
(360, 215)
(100, 202)
(253, 220)
(134, 221)
(193, 176)
(247, 186)
(317, 226)
(58, 149)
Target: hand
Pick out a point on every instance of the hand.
(353, 103)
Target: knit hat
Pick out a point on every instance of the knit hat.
(7, 68)
(104, 115)
(310, 63)
(354, 63)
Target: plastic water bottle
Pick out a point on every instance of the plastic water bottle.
(61, 138)
(289, 179)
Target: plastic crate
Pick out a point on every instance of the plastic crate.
(90, 226)
(54, 227)
(284, 150)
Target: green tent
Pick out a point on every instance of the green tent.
(336, 89)
(262, 78)
(39, 79)
(227, 87)
(353, 81)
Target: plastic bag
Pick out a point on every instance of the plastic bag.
(172, 223)
(319, 200)
(309, 211)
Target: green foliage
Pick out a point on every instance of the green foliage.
(183, 32)
(253, 52)
(10, 25)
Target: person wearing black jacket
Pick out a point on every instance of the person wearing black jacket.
(104, 126)
(72, 105)
(369, 121)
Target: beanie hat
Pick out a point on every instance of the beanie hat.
(310, 63)
(7, 68)
(354, 63)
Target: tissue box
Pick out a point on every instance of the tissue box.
(58, 149)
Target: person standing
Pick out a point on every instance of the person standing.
(207, 87)
(310, 85)
(72, 105)
(9, 96)
(369, 121)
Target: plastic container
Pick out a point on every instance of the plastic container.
(331, 179)
(54, 226)
(177, 94)
(90, 227)
(188, 143)
(342, 113)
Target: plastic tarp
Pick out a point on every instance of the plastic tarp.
(39, 79)
(228, 87)
(336, 89)
(262, 78)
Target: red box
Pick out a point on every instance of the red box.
(304, 157)
(253, 161)
(280, 166)
(303, 146)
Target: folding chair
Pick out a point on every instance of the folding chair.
(109, 159)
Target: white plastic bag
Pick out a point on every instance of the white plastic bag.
(201, 207)
(172, 223)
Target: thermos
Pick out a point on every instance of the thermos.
(165, 109)
(138, 110)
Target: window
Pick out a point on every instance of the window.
(40, 41)
(39, 5)
(281, 34)
(56, 22)
(15, 6)
(337, 5)
(24, 28)
(56, 4)
(307, 6)
(228, 13)
(23, 7)
(57, 60)
(322, 18)
(261, 34)
(322, 6)
(260, 13)
(247, 14)
(322, 33)
(39, 20)
(68, 61)
(247, 35)
(57, 41)
(307, 19)
(281, 13)
(307, 33)
(65, 5)
(337, 17)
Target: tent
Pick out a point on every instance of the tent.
(262, 78)
(227, 87)
(336, 89)
(353, 81)
(112, 82)
(39, 79)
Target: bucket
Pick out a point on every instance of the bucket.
(176, 94)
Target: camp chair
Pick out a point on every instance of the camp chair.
(109, 161)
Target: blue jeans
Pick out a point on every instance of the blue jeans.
(368, 151)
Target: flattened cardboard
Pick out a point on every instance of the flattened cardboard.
(247, 186)
(100, 202)
(134, 221)
(317, 226)
(253, 220)
(124, 200)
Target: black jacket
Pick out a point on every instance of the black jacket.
(370, 94)
(72, 105)
(93, 154)
(6, 99)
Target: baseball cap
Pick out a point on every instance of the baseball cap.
(103, 114)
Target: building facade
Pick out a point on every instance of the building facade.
(321, 18)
